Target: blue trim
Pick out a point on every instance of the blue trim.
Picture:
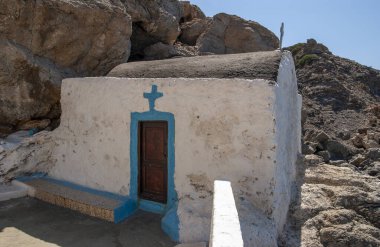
(153, 207)
(126, 209)
(136, 117)
(152, 97)
(170, 222)
(31, 177)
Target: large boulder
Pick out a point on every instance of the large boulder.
(232, 34)
(44, 41)
(29, 85)
(90, 37)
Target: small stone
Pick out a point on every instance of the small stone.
(307, 149)
(367, 143)
(372, 122)
(337, 162)
(373, 153)
(363, 131)
(312, 159)
(325, 155)
(344, 135)
(338, 150)
(357, 140)
(374, 170)
(317, 136)
(357, 160)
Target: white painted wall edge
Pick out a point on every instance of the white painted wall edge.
(30, 191)
(225, 224)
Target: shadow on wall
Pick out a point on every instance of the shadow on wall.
(29, 222)
(291, 236)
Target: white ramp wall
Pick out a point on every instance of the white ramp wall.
(225, 224)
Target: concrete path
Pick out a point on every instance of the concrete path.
(29, 222)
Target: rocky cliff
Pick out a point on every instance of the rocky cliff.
(338, 200)
(44, 41)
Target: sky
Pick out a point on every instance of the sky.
(349, 28)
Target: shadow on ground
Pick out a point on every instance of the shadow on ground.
(29, 222)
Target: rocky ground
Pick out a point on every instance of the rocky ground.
(338, 201)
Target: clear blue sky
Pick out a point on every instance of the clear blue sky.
(349, 28)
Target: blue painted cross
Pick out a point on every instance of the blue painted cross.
(152, 96)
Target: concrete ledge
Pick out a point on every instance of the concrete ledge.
(225, 224)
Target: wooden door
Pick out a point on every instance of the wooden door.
(153, 160)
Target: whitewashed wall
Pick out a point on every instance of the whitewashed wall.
(288, 105)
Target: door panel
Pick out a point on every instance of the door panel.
(153, 160)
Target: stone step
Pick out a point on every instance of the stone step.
(99, 204)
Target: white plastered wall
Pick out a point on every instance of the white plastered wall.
(287, 110)
(224, 130)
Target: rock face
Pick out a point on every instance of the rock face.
(232, 34)
(63, 32)
(339, 188)
(29, 85)
(27, 156)
(43, 41)
(192, 30)
(336, 207)
(340, 105)
(153, 22)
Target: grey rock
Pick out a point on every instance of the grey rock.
(337, 162)
(191, 11)
(357, 140)
(159, 51)
(307, 149)
(344, 135)
(232, 34)
(357, 160)
(374, 169)
(338, 151)
(312, 160)
(368, 143)
(373, 153)
(42, 42)
(190, 31)
(153, 21)
(316, 136)
(325, 155)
